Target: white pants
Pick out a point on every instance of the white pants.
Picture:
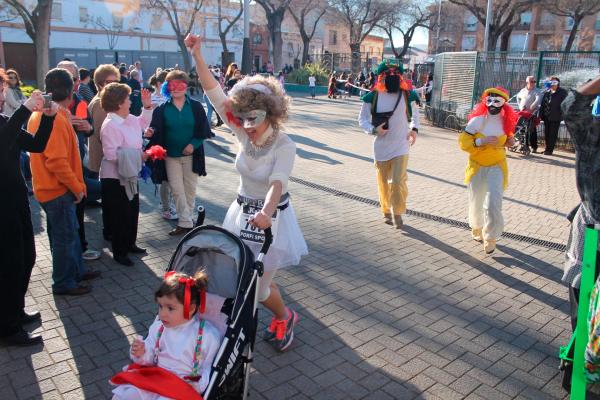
(485, 202)
(183, 183)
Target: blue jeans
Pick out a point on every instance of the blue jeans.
(312, 90)
(62, 226)
(209, 109)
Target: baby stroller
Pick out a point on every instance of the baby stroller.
(526, 122)
(231, 294)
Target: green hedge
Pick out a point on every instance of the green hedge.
(300, 76)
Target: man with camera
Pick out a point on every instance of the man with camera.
(390, 113)
(58, 187)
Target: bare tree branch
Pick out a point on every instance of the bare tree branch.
(299, 12)
(505, 17)
(577, 10)
(182, 17)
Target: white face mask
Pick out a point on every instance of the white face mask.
(251, 119)
(494, 101)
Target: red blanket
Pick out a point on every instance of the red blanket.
(156, 380)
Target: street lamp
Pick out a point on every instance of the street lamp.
(488, 19)
(246, 62)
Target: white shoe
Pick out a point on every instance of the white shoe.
(91, 254)
(477, 234)
(170, 214)
(489, 246)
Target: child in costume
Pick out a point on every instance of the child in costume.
(390, 113)
(489, 130)
(175, 359)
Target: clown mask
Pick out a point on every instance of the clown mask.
(251, 119)
(494, 104)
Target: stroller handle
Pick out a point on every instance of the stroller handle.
(268, 241)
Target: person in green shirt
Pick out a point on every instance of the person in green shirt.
(180, 126)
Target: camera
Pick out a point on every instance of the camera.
(47, 100)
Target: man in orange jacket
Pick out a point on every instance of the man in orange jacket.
(58, 186)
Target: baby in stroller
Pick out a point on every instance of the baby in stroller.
(175, 359)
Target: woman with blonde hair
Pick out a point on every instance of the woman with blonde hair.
(255, 111)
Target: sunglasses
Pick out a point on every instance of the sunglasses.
(251, 119)
(177, 86)
(494, 101)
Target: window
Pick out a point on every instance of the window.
(157, 22)
(370, 51)
(470, 23)
(598, 21)
(525, 19)
(56, 11)
(545, 43)
(290, 47)
(83, 14)
(117, 21)
(518, 42)
(468, 43)
(257, 38)
(568, 23)
(596, 43)
(547, 19)
(332, 37)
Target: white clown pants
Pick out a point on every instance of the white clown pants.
(485, 202)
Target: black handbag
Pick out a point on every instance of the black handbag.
(378, 118)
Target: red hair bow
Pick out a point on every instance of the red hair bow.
(156, 152)
(187, 297)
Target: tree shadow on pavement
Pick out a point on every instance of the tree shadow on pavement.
(488, 270)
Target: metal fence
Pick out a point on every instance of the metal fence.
(341, 62)
(461, 77)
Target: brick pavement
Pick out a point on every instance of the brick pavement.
(385, 314)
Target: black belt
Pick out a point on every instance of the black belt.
(284, 201)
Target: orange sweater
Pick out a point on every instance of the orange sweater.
(58, 168)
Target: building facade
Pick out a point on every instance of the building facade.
(93, 32)
(538, 30)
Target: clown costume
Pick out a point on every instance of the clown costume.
(489, 130)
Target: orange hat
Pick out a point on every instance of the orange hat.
(498, 91)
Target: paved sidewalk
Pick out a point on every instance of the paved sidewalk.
(385, 314)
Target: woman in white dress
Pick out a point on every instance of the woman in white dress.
(255, 109)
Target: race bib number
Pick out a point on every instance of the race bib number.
(249, 232)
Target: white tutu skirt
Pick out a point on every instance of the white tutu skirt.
(288, 244)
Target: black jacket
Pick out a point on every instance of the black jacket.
(551, 102)
(13, 140)
(201, 131)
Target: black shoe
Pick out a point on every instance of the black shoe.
(27, 318)
(76, 291)
(22, 338)
(124, 260)
(89, 275)
(137, 250)
(547, 153)
(179, 231)
(108, 237)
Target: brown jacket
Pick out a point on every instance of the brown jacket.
(94, 144)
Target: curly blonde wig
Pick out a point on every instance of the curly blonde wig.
(276, 104)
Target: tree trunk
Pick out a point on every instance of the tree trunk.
(504, 40)
(41, 41)
(223, 41)
(274, 21)
(187, 62)
(493, 39)
(572, 34)
(355, 49)
(305, 48)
